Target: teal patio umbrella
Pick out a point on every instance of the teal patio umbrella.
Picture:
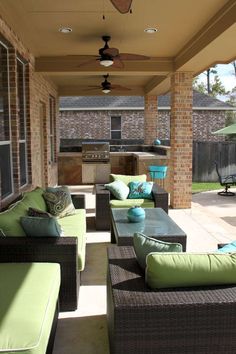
(230, 129)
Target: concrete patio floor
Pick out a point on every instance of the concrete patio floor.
(211, 220)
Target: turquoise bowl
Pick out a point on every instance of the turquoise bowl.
(136, 214)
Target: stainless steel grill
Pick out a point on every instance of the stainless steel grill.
(95, 152)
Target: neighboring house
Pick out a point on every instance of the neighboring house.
(122, 117)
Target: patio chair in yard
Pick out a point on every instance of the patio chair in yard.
(226, 182)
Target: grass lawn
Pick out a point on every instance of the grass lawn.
(205, 186)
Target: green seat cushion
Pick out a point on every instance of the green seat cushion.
(127, 178)
(170, 270)
(58, 201)
(34, 199)
(40, 226)
(75, 225)
(119, 189)
(128, 203)
(143, 245)
(10, 219)
(27, 305)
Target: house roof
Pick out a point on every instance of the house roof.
(200, 101)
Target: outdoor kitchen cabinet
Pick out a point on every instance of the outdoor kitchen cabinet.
(95, 172)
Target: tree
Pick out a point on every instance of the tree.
(234, 66)
(217, 88)
(212, 88)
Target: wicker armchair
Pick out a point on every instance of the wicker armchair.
(103, 196)
(62, 250)
(182, 321)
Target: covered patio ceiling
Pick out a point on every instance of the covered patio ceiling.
(191, 36)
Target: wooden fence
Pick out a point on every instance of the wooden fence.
(204, 155)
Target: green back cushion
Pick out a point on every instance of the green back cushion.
(143, 245)
(59, 201)
(119, 189)
(170, 270)
(128, 203)
(140, 190)
(10, 219)
(40, 226)
(34, 199)
(127, 179)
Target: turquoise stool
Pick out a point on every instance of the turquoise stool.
(158, 172)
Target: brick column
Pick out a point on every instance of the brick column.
(150, 119)
(181, 140)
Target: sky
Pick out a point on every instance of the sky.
(226, 75)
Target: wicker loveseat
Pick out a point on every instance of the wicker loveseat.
(196, 320)
(105, 201)
(68, 250)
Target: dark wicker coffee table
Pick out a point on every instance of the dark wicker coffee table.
(157, 224)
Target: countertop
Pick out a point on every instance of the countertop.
(137, 154)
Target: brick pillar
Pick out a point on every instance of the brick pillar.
(181, 140)
(150, 119)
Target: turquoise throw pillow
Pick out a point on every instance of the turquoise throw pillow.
(37, 226)
(119, 189)
(230, 247)
(171, 270)
(143, 245)
(140, 190)
(59, 201)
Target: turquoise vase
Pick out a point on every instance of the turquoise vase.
(136, 214)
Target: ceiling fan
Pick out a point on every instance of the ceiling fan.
(106, 86)
(112, 56)
(123, 6)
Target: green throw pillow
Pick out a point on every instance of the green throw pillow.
(119, 189)
(59, 201)
(10, 219)
(37, 226)
(140, 190)
(127, 178)
(171, 270)
(143, 245)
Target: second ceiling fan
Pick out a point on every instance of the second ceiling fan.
(107, 87)
(111, 56)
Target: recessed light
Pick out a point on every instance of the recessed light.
(65, 30)
(150, 30)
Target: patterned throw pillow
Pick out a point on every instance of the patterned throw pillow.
(140, 190)
(59, 201)
(38, 213)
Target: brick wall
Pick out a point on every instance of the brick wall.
(96, 124)
(37, 90)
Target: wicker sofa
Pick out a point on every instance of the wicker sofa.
(184, 320)
(105, 200)
(68, 251)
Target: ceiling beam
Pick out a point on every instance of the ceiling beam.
(152, 84)
(62, 64)
(219, 23)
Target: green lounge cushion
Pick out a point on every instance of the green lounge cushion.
(59, 202)
(170, 270)
(10, 219)
(34, 199)
(27, 306)
(128, 203)
(140, 190)
(40, 226)
(119, 189)
(75, 225)
(143, 245)
(128, 178)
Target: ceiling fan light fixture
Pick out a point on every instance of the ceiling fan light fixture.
(106, 90)
(106, 62)
(65, 30)
(150, 30)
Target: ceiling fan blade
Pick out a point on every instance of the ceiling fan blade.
(119, 87)
(123, 6)
(111, 51)
(90, 61)
(117, 63)
(128, 56)
(95, 88)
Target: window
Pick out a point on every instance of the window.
(116, 127)
(22, 122)
(52, 131)
(5, 131)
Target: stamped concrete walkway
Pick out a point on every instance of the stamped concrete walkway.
(211, 220)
